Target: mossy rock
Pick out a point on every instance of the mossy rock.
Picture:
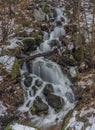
(30, 44)
(37, 37)
(45, 8)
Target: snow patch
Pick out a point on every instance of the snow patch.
(2, 109)
(21, 127)
(7, 62)
(13, 44)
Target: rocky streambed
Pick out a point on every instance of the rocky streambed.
(47, 92)
(49, 70)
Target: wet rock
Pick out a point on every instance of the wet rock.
(51, 20)
(30, 44)
(28, 81)
(55, 101)
(34, 89)
(45, 27)
(26, 74)
(48, 89)
(54, 43)
(39, 106)
(37, 35)
(38, 82)
(58, 23)
(62, 19)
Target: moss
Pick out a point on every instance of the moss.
(15, 70)
(78, 54)
(45, 8)
(33, 109)
(66, 119)
(27, 40)
(26, 23)
(37, 37)
(69, 59)
(8, 128)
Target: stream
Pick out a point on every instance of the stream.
(47, 93)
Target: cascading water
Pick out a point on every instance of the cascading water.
(46, 89)
(49, 73)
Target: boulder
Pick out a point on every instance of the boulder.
(39, 106)
(55, 101)
(48, 89)
(30, 44)
(38, 82)
(58, 23)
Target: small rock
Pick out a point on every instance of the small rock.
(28, 81)
(48, 89)
(34, 89)
(38, 82)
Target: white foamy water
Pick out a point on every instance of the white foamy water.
(50, 73)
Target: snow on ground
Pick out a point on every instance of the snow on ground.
(74, 124)
(21, 127)
(13, 44)
(7, 62)
(86, 81)
(2, 109)
(89, 114)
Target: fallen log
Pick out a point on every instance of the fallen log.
(28, 58)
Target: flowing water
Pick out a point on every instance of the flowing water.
(47, 72)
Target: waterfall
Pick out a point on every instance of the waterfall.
(47, 70)
(58, 31)
(47, 73)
